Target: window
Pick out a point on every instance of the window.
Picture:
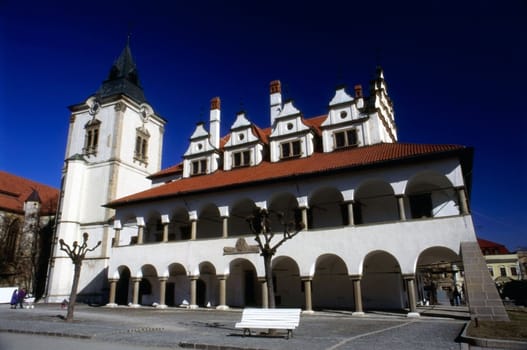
(290, 149)
(421, 205)
(503, 271)
(141, 145)
(91, 138)
(491, 271)
(346, 138)
(241, 159)
(514, 272)
(199, 167)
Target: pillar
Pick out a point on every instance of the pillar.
(116, 238)
(193, 291)
(162, 292)
(225, 231)
(357, 295)
(351, 218)
(304, 217)
(307, 293)
(140, 230)
(113, 286)
(265, 295)
(223, 292)
(410, 288)
(400, 206)
(165, 232)
(193, 229)
(463, 204)
(135, 292)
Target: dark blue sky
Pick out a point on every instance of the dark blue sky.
(455, 71)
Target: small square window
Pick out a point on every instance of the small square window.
(345, 138)
(290, 149)
(199, 167)
(241, 159)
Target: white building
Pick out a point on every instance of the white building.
(375, 209)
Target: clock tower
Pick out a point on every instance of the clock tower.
(114, 143)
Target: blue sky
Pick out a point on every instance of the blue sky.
(455, 71)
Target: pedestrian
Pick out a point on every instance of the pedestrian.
(457, 296)
(14, 299)
(21, 296)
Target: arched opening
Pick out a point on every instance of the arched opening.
(179, 228)
(327, 209)
(429, 195)
(375, 202)
(123, 286)
(207, 285)
(288, 287)
(153, 231)
(178, 286)
(242, 284)
(331, 286)
(382, 283)
(149, 286)
(283, 208)
(439, 275)
(238, 215)
(210, 223)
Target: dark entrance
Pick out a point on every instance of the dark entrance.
(249, 294)
(123, 283)
(201, 292)
(169, 295)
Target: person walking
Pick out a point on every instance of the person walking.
(21, 296)
(14, 299)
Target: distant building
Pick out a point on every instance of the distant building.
(503, 265)
(27, 213)
(376, 212)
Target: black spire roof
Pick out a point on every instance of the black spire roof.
(123, 78)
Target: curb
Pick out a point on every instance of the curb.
(50, 334)
(491, 343)
(187, 345)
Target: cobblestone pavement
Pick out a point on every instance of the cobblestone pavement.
(212, 329)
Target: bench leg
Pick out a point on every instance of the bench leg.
(289, 333)
(246, 330)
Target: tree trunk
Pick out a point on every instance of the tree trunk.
(73, 294)
(267, 256)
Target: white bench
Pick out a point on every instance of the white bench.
(287, 319)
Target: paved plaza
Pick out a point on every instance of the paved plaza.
(437, 328)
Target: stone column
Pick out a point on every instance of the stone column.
(351, 218)
(463, 204)
(193, 291)
(265, 295)
(307, 292)
(162, 292)
(400, 207)
(225, 231)
(410, 288)
(193, 229)
(223, 292)
(357, 295)
(165, 232)
(304, 217)
(116, 238)
(113, 286)
(140, 230)
(135, 293)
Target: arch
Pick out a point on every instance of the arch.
(177, 286)
(326, 209)
(431, 194)
(375, 202)
(210, 223)
(239, 212)
(331, 286)
(148, 286)
(382, 283)
(242, 284)
(128, 234)
(287, 282)
(179, 228)
(438, 272)
(122, 290)
(207, 285)
(282, 207)
(153, 228)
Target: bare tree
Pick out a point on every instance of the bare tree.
(77, 253)
(260, 224)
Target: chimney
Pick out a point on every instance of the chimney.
(358, 91)
(215, 113)
(276, 99)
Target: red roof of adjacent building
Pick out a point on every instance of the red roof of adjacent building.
(491, 248)
(15, 190)
(316, 164)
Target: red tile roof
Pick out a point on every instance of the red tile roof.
(15, 190)
(317, 163)
(491, 248)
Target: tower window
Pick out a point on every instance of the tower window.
(91, 138)
(290, 149)
(141, 145)
(346, 138)
(241, 159)
(199, 167)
